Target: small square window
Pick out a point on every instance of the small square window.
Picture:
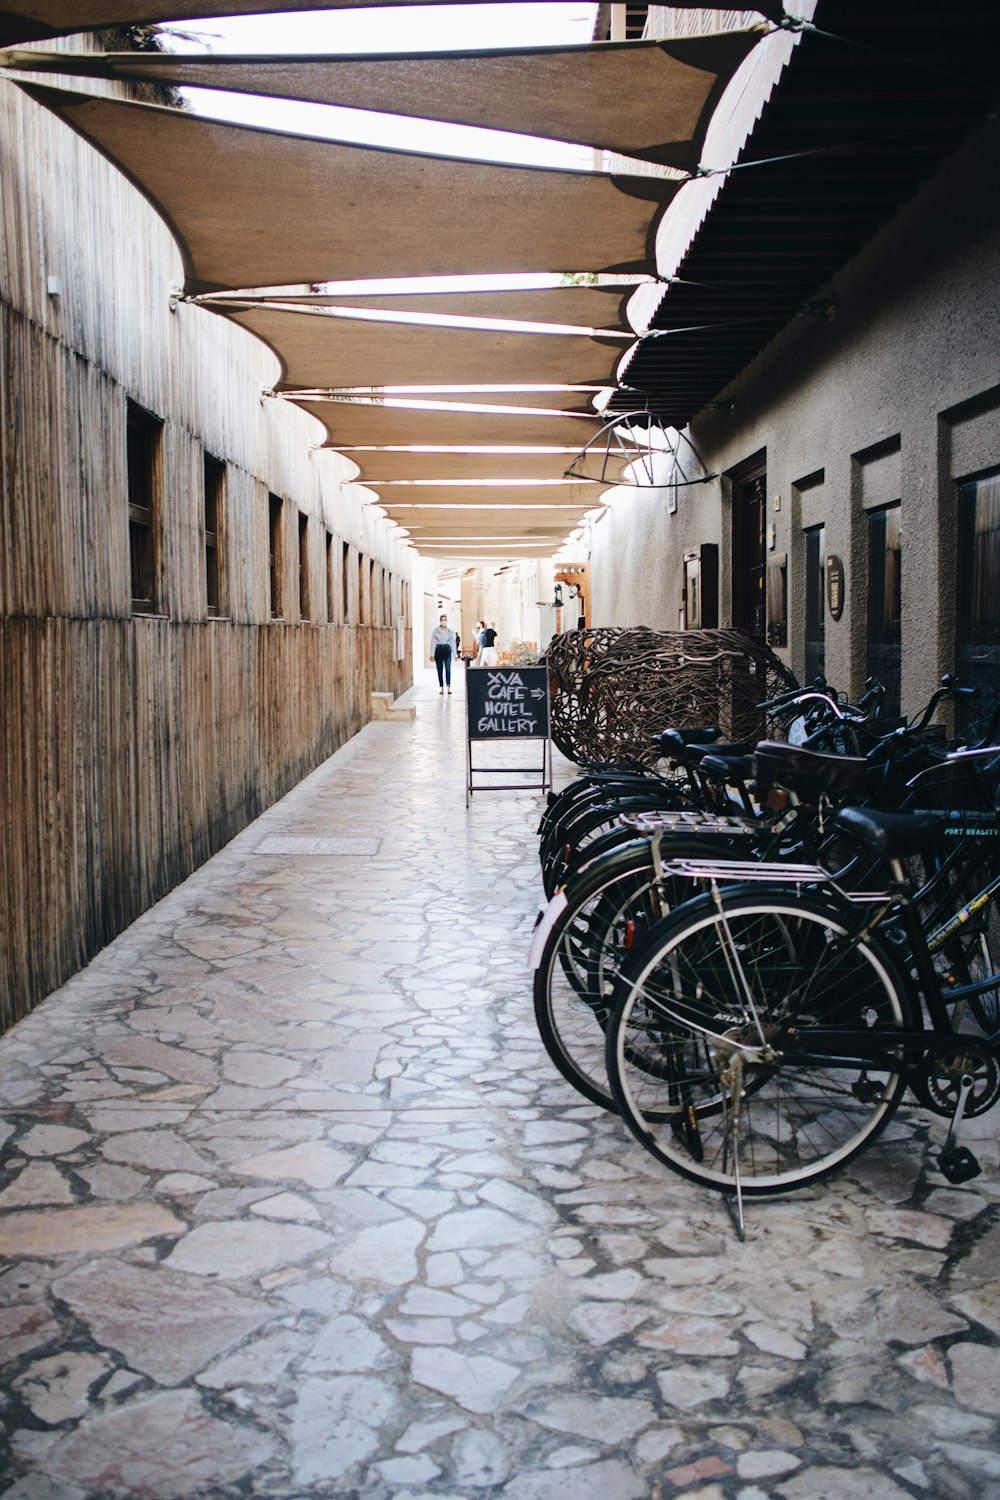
(142, 441)
(305, 611)
(275, 506)
(212, 532)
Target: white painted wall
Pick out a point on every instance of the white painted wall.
(912, 356)
(513, 597)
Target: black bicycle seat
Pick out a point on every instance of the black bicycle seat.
(809, 773)
(676, 741)
(727, 767)
(892, 835)
(722, 747)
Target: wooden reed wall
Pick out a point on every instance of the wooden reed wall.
(131, 750)
(133, 746)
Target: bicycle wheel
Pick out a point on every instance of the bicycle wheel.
(566, 852)
(986, 1007)
(980, 960)
(708, 1047)
(583, 788)
(971, 952)
(605, 909)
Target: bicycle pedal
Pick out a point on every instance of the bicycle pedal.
(958, 1164)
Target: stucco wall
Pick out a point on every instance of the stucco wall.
(910, 360)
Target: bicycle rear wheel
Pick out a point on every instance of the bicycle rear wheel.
(708, 1048)
(610, 905)
(565, 852)
(973, 954)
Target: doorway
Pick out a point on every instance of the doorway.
(815, 621)
(977, 655)
(750, 550)
(885, 603)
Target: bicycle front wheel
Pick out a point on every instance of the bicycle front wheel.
(709, 1055)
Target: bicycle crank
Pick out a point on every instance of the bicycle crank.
(944, 1074)
(961, 1082)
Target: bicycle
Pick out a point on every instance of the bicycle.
(588, 928)
(703, 773)
(764, 1035)
(585, 931)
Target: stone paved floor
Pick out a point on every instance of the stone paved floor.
(294, 1206)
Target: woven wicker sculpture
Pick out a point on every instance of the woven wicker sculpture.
(612, 688)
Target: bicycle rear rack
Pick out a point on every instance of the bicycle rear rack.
(736, 871)
(689, 822)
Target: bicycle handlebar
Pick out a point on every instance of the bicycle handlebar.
(992, 728)
(788, 696)
(949, 689)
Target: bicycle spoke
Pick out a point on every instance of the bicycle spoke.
(735, 989)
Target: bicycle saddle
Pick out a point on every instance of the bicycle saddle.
(893, 835)
(728, 748)
(810, 773)
(727, 767)
(676, 741)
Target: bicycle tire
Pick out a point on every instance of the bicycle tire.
(973, 953)
(560, 829)
(679, 998)
(574, 979)
(561, 803)
(979, 960)
(560, 858)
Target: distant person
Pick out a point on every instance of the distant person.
(488, 655)
(442, 649)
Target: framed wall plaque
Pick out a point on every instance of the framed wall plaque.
(835, 587)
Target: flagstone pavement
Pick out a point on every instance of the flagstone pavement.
(294, 1205)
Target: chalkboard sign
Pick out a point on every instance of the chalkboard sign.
(504, 704)
(508, 703)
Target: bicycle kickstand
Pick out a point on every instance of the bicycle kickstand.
(732, 1080)
(956, 1162)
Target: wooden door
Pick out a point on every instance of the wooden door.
(750, 554)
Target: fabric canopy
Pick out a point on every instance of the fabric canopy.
(25, 20)
(470, 555)
(320, 351)
(255, 209)
(557, 492)
(529, 400)
(398, 471)
(350, 422)
(647, 99)
(490, 520)
(600, 306)
(259, 208)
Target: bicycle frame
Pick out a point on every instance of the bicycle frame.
(928, 988)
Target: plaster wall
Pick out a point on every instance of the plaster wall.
(895, 398)
(513, 597)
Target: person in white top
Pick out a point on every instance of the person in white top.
(442, 650)
(488, 655)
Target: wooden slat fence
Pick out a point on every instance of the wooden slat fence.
(131, 750)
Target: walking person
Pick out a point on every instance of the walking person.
(488, 655)
(442, 649)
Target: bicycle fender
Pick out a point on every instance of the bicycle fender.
(546, 920)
